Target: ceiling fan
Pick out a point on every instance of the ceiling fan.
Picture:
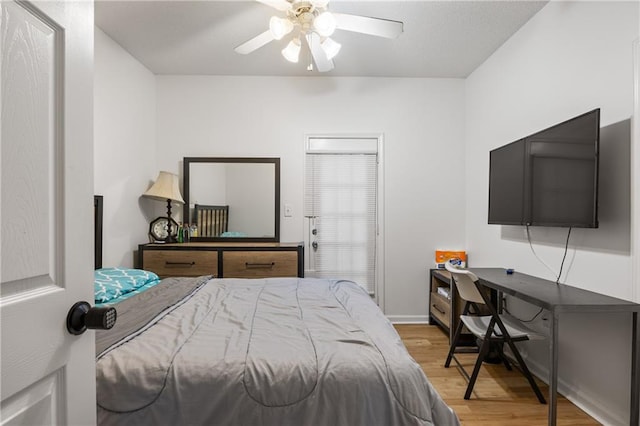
(311, 21)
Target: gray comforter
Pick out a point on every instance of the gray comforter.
(283, 351)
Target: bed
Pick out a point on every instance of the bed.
(279, 351)
(276, 351)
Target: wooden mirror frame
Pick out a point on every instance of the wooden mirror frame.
(186, 212)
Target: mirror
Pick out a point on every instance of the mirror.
(232, 199)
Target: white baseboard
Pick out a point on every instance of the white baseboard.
(408, 319)
(579, 398)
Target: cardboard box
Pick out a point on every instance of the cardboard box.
(442, 256)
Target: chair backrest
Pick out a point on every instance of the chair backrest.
(465, 283)
(211, 220)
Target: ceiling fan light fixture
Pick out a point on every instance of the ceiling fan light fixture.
(330, 47)
(310, 21)
(292, 52)
(280, 27)
(325, 24)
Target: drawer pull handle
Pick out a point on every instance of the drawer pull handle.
(259, 265)
(438, 309)
(179, 263)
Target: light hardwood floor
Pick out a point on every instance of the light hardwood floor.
(500, 397)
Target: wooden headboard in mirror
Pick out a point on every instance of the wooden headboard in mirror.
(232, 198)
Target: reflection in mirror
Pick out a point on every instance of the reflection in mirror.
(247, 191)
(233, 198)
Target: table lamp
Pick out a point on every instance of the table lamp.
(165, 188)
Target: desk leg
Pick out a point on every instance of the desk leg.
(553, 370)
(634, 415)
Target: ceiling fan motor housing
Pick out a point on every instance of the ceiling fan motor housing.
(300, 7)
(303, 13)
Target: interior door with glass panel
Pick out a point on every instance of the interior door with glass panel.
(341, 209)
(47, 374)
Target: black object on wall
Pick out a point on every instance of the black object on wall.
(97, 231)
(549, 178)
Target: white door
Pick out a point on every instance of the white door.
(342, 209)
(47, 374)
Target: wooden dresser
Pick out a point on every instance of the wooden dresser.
(223, 260)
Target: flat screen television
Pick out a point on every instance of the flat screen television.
(549, 178)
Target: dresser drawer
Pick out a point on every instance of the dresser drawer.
(259, 264)
(181, 263)
(440, 308)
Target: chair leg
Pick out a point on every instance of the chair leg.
(484, 349)
(454, 343)
(526, 372)
(503, 357)
(456, 336)
(496, 319)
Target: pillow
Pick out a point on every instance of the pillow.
(233, 234)
(111, 283)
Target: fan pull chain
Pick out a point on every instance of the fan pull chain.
(309, 55)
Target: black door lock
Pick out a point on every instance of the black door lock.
(82, 316)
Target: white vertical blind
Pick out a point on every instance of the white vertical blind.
(340, 197)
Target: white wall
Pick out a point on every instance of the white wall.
(423, 125)
(125, 148)
(570, 58)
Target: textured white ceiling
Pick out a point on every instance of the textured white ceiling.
(440, 39)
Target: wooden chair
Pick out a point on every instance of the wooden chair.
(211, 220)
(494, 328)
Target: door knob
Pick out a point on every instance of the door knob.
(314, 245)
(82, 316)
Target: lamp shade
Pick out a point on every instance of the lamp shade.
(330, 47)
(280, 27)
(165, 188)
(325, 24)
(292, 52)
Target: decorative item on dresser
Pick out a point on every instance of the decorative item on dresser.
(228, 260)
(165, 188)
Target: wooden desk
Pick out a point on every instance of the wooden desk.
(560, 298)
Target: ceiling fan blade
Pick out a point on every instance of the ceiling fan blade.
(372, 26)
(255, 43)
(282, 5)
(323, 64)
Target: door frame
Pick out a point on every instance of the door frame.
(379, 296)
(635, 176)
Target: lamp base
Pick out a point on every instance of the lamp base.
(170, 237)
